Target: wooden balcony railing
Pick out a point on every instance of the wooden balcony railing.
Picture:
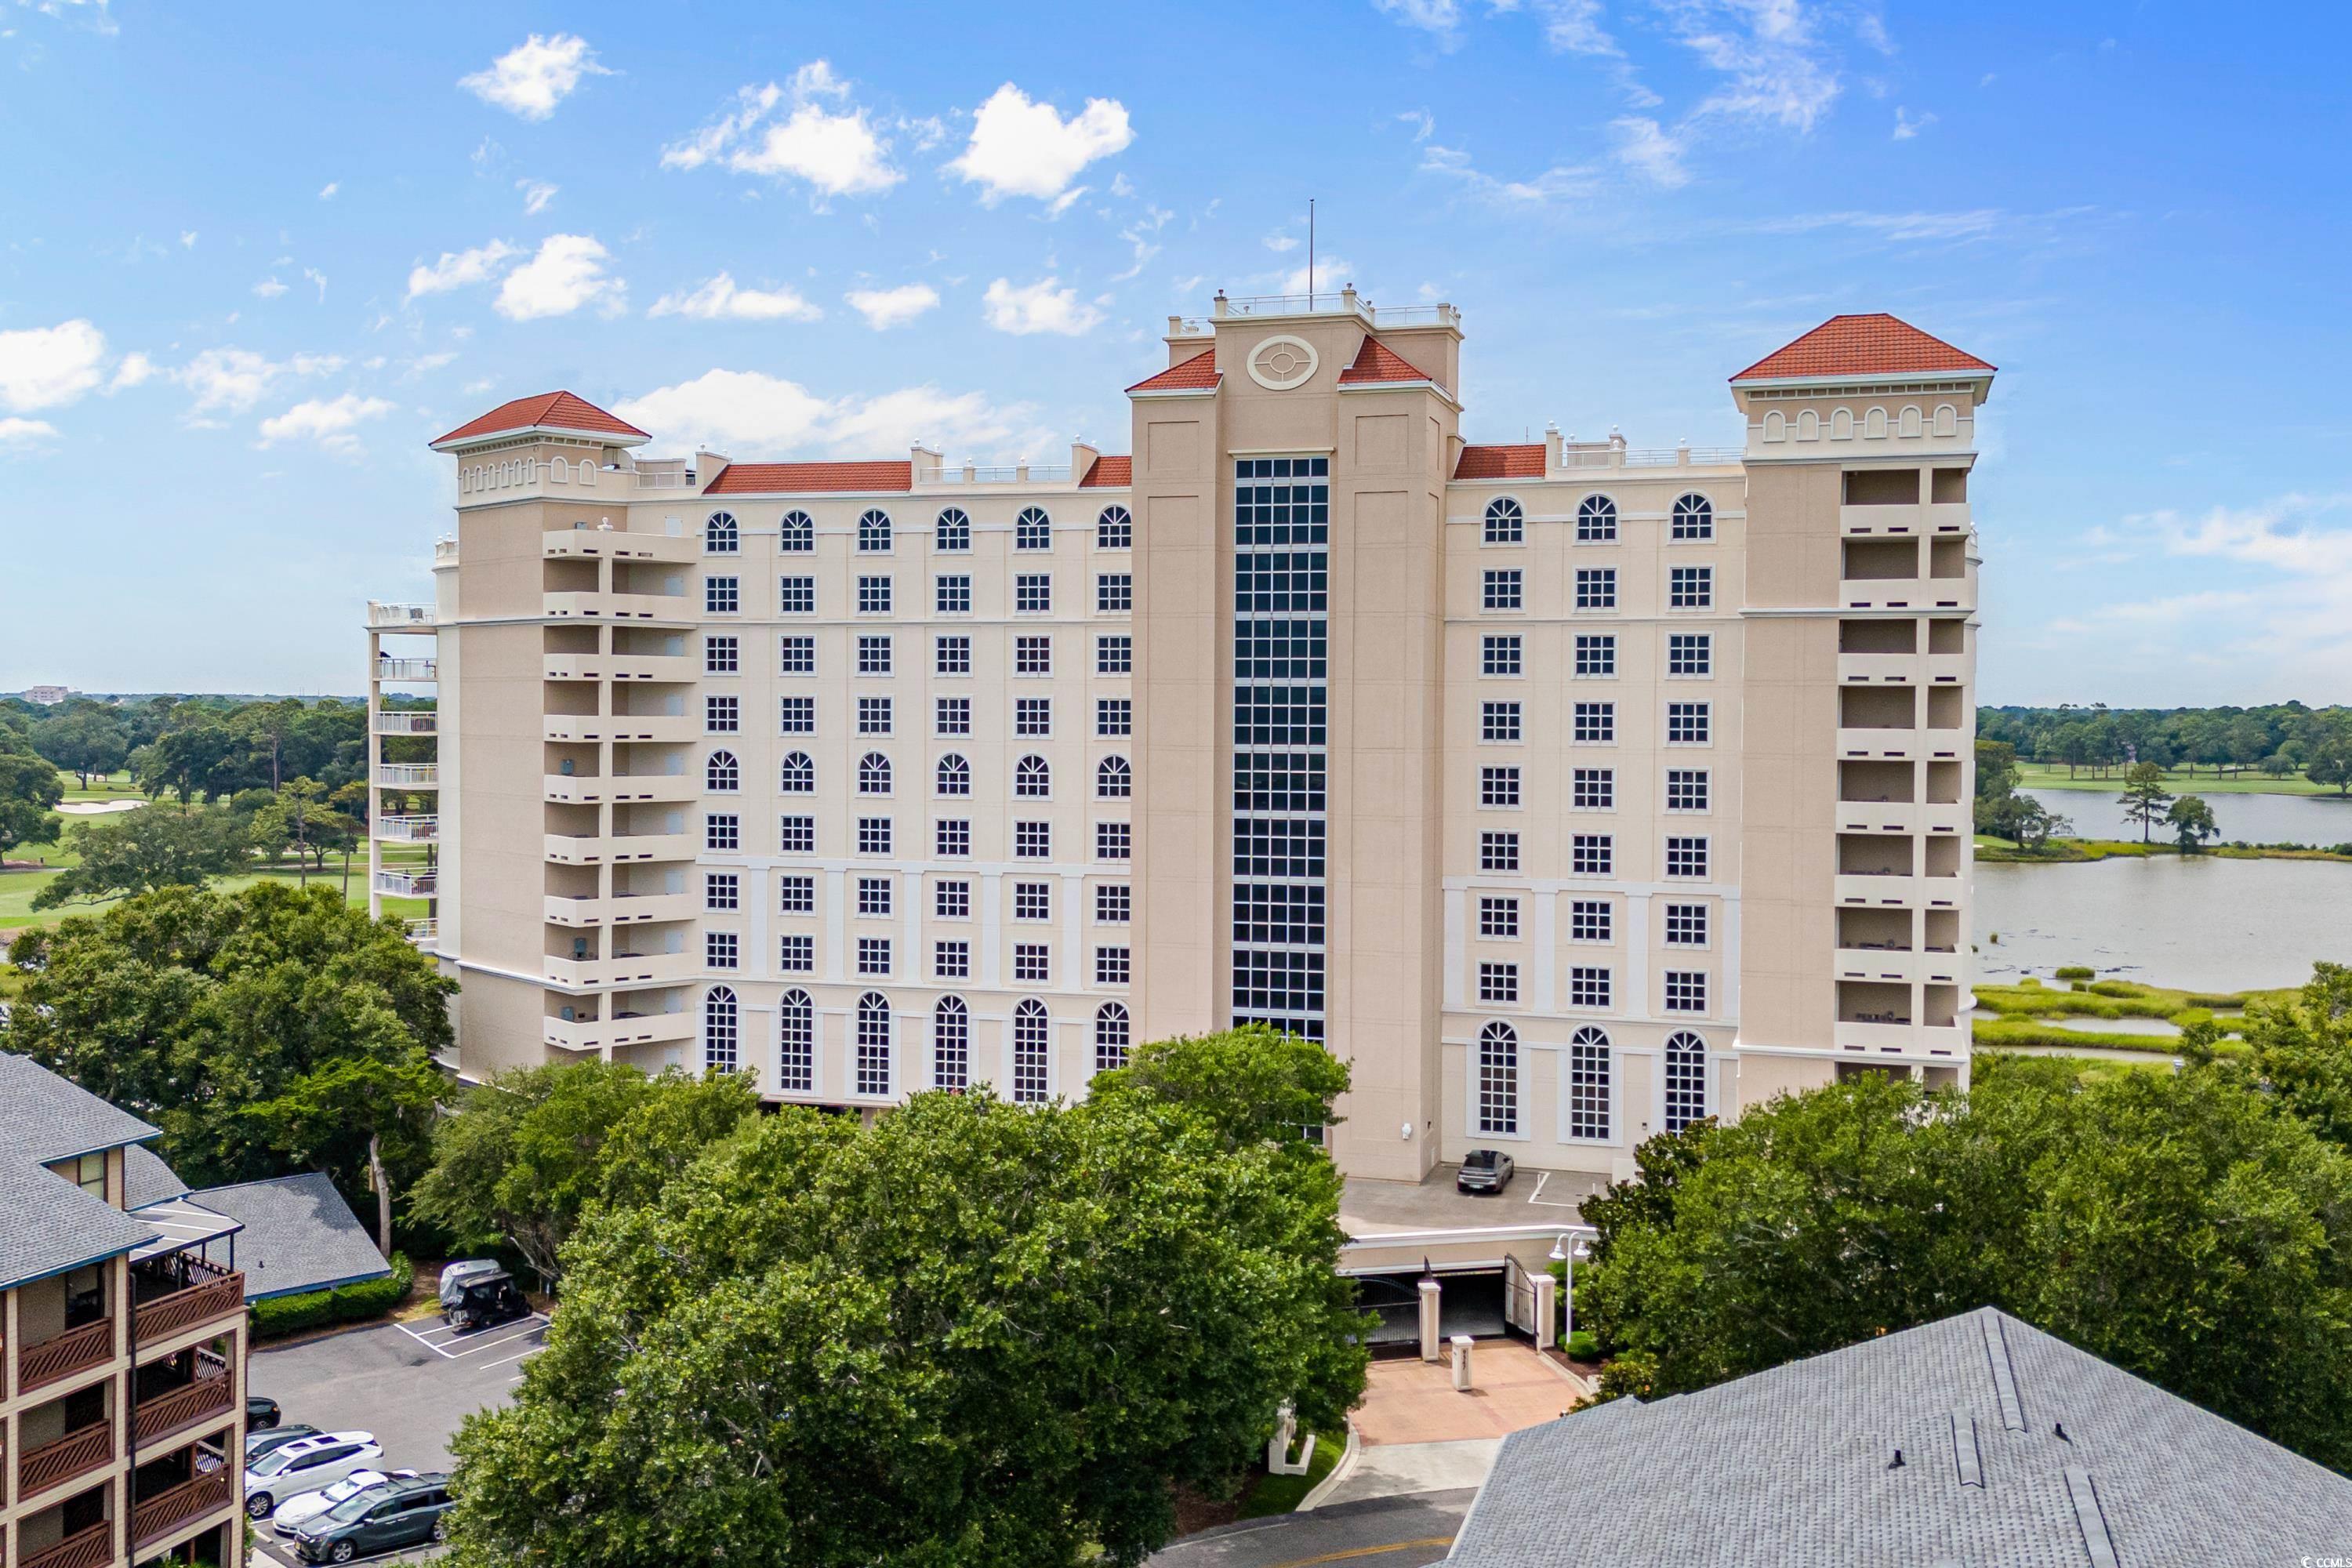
(74, 1454)
(90, 1548)
(183, 1310)
(89, 1345)
(183, 1407)
(167, 1511)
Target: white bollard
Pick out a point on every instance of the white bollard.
(1462, 1364)
(1430, 1291)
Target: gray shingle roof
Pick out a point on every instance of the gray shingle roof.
(299, 1234)
(50, 1223)
(147, 1180)
(47, 1117)
(1794, 1467)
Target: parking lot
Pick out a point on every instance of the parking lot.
(411, 1384)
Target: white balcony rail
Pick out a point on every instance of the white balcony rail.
(999, 474)
(383, 615)
(412, 775)
(389, 668)
(424, 933)
(406, 884)
(408, 829)
(1611, 455)
(444, 550)
(666, 479)
(407, 723)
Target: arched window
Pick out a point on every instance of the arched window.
(1112, 1035)
(722, 1027)
(1033, 529)
(796, 534)
(1031, 779)
(1948, 419)
(1776, 427)
(1693, 518)
(1498, 1078)
(720, 536)
(1114, 780)
(1842, 425)
(1033, 1035)
(1596, 519)
(796, 1043)
(798, 775)
(1873, 425)
(874, 532)
(722, 774)
(560, 470)
(1685, 1080)
(1505, 523)
(953, 532)
(588, 473)
(951, 1044)
(1114, 530)
(874, 773)
(1910, 423)
(1809, 425)
(955, 775)
(1588, 1084)
(873, 1044)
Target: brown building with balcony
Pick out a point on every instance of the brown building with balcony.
(122, 1343)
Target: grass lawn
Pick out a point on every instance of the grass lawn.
(113, 786)
(17, 888)
(2079, 851)
(1283, 1494)
(2055, 776)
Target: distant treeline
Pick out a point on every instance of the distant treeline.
(2280, 740)
(199, 748)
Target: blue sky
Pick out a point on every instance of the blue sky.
(252, 261)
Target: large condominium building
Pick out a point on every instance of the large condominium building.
(121, 1346)
(1570, 792)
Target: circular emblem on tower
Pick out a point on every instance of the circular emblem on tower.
(1281, 363)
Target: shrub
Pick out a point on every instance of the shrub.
(2077, 972)
(2116, 988)
(281, 1315)
(1581, 1346)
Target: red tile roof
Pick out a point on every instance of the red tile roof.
(740, 478)
(1376, 361)
(1109, 473)
(1501, 463)
(1862, 345)
(548, 411)
(1198, 374)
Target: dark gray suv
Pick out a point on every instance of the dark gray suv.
(1484, 1170)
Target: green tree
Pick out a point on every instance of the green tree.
(29, 788)
(2301, 1050)
(527, 1152)
(137, 851)
(2144, 799)
(258, 1030)
(2328, 759)
(84, 738)
(2191, 821)
(972, 1334)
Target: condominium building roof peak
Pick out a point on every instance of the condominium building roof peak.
(1376, 361)
(557, 412)
(1875, 344)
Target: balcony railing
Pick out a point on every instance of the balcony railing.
(74, 1454)
(408, 775)
(406, 884)
(384, 616)
(408, 829)
(167, 1511)
(209, 1293)
(90, 1548)
(69, 1352)
(424, 933)
(999, 474)
(408, 723)
(407, 669)
(183, 1407)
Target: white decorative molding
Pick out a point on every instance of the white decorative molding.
(1282, 361)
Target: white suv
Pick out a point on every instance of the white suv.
(305, 1464)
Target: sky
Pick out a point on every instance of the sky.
(253, 259)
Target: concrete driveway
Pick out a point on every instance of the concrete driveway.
(1389, 1532)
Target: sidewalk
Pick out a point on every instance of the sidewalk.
(1415, 1432)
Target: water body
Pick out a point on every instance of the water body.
(2248, 818)
(2193, 921)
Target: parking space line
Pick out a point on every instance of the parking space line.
(532, 1325)
(517, 1356)
(421, 1339)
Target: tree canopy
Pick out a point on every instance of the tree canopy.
(29, 790)
(973, 1333)
(2281, 738)
(140, 851)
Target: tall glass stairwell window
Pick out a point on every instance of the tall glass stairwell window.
(1281, 694)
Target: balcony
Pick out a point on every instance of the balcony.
(623, 909)
(581, 849)
(407, 669)
(1901, 816)
(74, 1454)
(614, 544)
(408, 829)
(1903, 669)
(613, 1034)
(408, 775)
(1898, 965)
(406, 884)
(90, 1548)
(624, 969)
(636, 609)
(675, 667)
(1915, 521)
(1895, 890)
(408, 721)
(190, 1404)
(173, 1299)
(1900, 1038)
(153, 1518)
(1918, 593)
(1903, 745)
(423, 933)
(673, 729)
(579, 789)
(382, 617)
(76, 1350)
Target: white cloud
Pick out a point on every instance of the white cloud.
(15, 432)
(1138, 235)
(1331, 274)
(187, 239)
(536, 195)
(461, 269)
(733, 410)
(1278, 243)
(1573, 27)
(1440, 17)
(752, 105)
(887, 308)
(1040, 307)
(567, 273)
(839, 153)
(232, 379)
(1655, 154)
(1780, 70)
(312, 274)
(720, 300)
(1424, 123)
(1560, 183)
(815, 79)
(46, 367)
(135, 368)
(330, 423)
(1907, 125)
(536, 75)
(327, 191)
(269, 288)
(1025, 148)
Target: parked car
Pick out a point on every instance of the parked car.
(296, 1511)
(260, 1411)
(1484, 1170)
(484, 1300)
(259, 1443)
(306, 1465)
(381, 1519)
(455, 1277)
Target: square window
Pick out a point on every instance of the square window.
(951, 961)
(1498, 788)
(1594, 789)
(1593, 854)
(874, 715)
(1587, 986)
(1596, 654)
(951, 900)
(723, 830)
(951, 839)
(722, 595)
(1033, 716)
(1114, 716)
(873, 835)
(874, 955)
(1114, 841)
(1498, 852)
(796, 954)
(873, 595)
(1591, 919)
(1114, 903)
(1687, 789)
(722, 715)
(722, 654)
(951, 593)
(1498, 919)
(796, 715)
(1033, 841)
(951, 656)
(1690, 653)
(1498, 655)
(1030, 961)
(1596, 587)
(1115, 593)
(1504, 588)
(796, 834)
(722, 891)
(953, 715)
(1498, 983)
(1033, 900)
(1032, 656)
(796, 595)
(796, 896)
(1115, 655)
(1111, 966)
(1686, 925)
(796, 656)
(1690, 588)
(873, 655)
(1685, 991)
(1687, 723)
(722, 950)
(874, 898)
(1596, 723)
(1498, 721)
(1032, 592)
(1686, 857)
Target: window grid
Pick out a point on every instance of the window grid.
(1498, 1080)
(1588, 1084)
(1685, 1080)
(1498, 919)
(796, 1043)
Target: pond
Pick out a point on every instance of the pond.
(2248, 818)
(2197, 923)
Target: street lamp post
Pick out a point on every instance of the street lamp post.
(1562, 1253)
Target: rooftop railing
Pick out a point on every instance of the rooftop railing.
(998, 474)
(382, 615)
(407, 669)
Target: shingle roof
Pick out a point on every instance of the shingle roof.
(51, 1118)
(1513, 462)
(1109, 473)
(1794, 1467)
(740, 478)
(1376, 361)
(299, 1234)
(1198, 374)
(50, 1223)
(546, 411)
(1864, 345)
(147, 1180)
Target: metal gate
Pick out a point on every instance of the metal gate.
(1518, 1297)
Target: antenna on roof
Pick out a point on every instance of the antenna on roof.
(1310, 253)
